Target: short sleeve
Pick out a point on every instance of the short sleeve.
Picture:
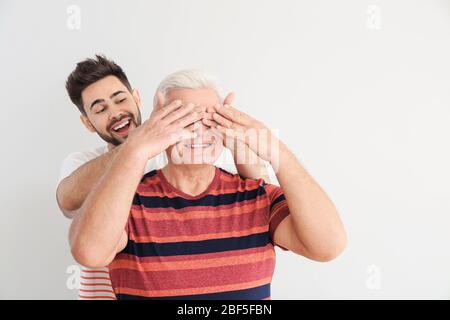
(76, 159)
(278, 208)
(157, 162)
(71, 163)
(226, 161)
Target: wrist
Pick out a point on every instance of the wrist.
(131, 154)
(278, 155)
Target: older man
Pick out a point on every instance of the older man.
(191, 230)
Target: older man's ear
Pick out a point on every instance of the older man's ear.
(159, 100)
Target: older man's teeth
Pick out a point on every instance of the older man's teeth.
(199, 145)
(123, 124)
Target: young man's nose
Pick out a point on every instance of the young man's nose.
(116, 113)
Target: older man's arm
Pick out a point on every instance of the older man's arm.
(313, 227)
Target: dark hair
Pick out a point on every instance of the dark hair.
(89, 71)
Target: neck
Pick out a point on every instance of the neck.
(192, 179)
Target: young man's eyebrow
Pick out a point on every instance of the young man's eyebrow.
(103, 100)
(116, 93)
(97, 101)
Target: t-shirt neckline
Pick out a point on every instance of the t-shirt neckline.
(182, 194)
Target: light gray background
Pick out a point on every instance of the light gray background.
(364, 103)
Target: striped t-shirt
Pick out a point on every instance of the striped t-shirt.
(95, 284)
(216, 245)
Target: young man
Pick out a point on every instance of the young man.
(191, 230)
(111, 108)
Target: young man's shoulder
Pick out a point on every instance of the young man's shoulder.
(76, 159)
(87, 154)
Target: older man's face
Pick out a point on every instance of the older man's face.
(206, 148)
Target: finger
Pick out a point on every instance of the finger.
(232, 114)
(186, 120)
(225, 122)
(209, 123)
(229, 99)
(178, 114)
(165, 110)
(211, 109)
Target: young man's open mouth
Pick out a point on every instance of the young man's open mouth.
(122, 127)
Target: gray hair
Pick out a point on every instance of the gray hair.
(189, 79)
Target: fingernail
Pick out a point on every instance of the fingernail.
(226, 106)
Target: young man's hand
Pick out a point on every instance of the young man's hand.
(166, 126)
(247, 161)
(238, 128)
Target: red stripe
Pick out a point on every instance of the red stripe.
(171, 228)
(96, 284)
(97, 297)
(183, 279)
(109, 291)
(94, 278)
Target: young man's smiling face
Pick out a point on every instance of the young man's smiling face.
(111, 109)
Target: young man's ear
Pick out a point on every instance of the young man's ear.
(136, 97)
(84, 119)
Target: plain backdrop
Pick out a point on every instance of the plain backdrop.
(358, 89)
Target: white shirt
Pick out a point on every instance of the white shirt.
(95, 283)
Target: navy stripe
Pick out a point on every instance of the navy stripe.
(279, 199)
(208, 200)
(151, 249)
(257, 293)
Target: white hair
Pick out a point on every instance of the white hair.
(189, 79)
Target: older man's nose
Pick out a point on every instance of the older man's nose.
(198, 125)
(199, 128)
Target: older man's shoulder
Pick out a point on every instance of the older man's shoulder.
(240, 181)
